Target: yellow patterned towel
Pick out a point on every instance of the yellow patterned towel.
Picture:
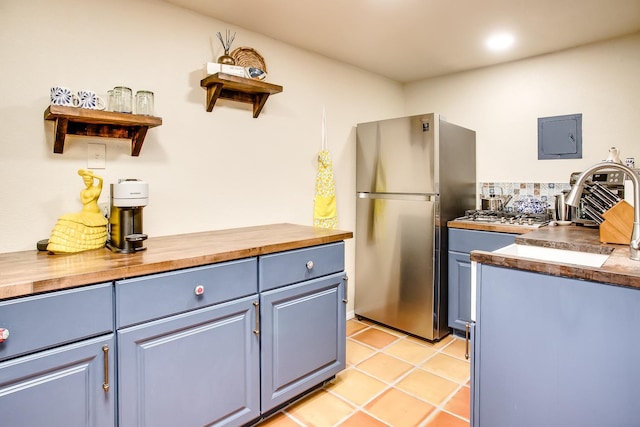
(325, 211)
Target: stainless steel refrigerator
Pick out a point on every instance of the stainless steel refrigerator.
(413, 174)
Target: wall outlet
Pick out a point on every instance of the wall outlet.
(96, 156)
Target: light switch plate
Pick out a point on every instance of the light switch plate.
(96, 156)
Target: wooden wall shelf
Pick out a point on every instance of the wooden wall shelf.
(227, 86)
(85, 122)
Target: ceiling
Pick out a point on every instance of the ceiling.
(409, 40)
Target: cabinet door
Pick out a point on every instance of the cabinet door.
(459, 290)
(554, 352)
(303, 337)
(461, 243)
(60, 387)
(192, 369)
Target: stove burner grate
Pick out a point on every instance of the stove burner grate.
(504, 217)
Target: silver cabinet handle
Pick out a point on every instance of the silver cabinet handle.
(256, 331)
(346, 289)
(309, 265)
(105, 384)
(466, 340)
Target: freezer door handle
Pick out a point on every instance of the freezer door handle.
(416, 197)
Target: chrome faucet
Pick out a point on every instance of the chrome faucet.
(573, 199)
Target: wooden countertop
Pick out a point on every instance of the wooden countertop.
(29, 272)
(485, 226)
(619, 269)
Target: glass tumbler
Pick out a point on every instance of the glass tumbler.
(144, 102)
(122, 102)
(110, 104)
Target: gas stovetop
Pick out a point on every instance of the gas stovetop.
(506, 218)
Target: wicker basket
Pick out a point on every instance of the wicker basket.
(248, 57)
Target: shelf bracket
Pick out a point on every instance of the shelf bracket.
(259, 100)
(60, 131)
(137, 138)
(213, 93)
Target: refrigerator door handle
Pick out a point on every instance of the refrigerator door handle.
(417, 197)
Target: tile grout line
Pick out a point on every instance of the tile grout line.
(393, 384)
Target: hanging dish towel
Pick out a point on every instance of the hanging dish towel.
(325, 211)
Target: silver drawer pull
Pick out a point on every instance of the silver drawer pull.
(256, 331)
(309, 265)
(466, 340)
(105, 384)
(4, 334)
(199, 290)
(346, 289)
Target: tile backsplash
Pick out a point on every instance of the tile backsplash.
(544, 191)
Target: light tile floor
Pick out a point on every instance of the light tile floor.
(391, 379)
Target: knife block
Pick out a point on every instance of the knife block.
(618, 224)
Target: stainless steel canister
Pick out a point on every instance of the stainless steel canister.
(563, 211)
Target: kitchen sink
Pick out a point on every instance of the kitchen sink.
(554, 255)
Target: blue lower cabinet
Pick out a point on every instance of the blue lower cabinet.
(57, 366)
(461, 243)
(459, 290)
(552, 351)
(221, 344)
(303, 336)
(72, 385)
(192, 369)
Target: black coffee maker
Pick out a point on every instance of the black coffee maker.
(128, 197)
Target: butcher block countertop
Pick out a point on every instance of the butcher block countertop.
(485, 226)
(30, 272)
(617, 270)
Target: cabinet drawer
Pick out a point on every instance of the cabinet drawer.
(301, 264)
(48, 320)
(468, 240)
(159, 295)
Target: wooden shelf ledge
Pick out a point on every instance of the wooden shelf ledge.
(85, 122)
(234, 88)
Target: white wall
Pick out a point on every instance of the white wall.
(225, 169)
(502, 103)
(205, 170)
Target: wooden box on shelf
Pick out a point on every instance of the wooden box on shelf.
(241, 89)
(86, 122)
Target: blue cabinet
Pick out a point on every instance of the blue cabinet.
(61, 386)
(224, 344)
(461, 243)
(285, 268)
(188, 354)
(553, 351)
(57, 367)
(221, 344)
(303, 337)
(192, 369)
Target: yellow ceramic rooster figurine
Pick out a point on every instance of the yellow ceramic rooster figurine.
(76, 232)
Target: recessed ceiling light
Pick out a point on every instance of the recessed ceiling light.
(500, 41)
